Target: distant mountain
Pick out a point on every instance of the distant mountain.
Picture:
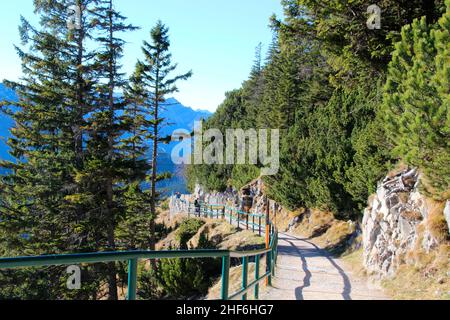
(5, 122)
(177, 115)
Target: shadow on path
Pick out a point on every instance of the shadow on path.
(308, 274)
(307, 281)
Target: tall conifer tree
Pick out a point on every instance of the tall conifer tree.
(156, 73)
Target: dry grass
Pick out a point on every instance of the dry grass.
(215, 231)
(219, 233)
(436, 223)
(283, 219)
(324, 230)
(412, 215)
(169, 222)
(336, 238)
(236, 281)
(427, 279)
(354, 261)
(425, 275)
(399, 168)
(314, 223)
(242, 241)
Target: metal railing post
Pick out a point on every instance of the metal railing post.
(244, 276)
(259, 226)
(269, 268)
(270, 252)
(132, 279)
(257, 263)
(238, 220)
(272, 256)
(225, 277)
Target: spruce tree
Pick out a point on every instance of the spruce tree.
(105, 168)
(134, 225)
(156, 74)
(55, 92)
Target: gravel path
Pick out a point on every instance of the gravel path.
(306, 272)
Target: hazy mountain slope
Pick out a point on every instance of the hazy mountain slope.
(177, 116)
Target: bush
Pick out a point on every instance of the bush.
(188, 228)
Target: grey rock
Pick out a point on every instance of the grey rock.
(447, 213)
(405, 228)
(387, 235)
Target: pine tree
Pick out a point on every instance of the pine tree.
(73, 166)
(105, 167)
(39, 216)
(416, 101)
(155, 72)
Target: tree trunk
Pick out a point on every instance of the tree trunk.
(153, 181)
(112, 274)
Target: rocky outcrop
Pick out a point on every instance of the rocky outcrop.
(395, 222)
(447, 213)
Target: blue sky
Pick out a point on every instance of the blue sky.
(214, 38)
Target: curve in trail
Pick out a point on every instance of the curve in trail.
(307, 272)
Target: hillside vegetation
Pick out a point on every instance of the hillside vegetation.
(351, 103)
(180, 232)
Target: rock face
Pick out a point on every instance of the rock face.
(390, 224)
(447, 213)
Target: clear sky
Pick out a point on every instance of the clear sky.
(214, 38)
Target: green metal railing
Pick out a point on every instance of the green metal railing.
(253, 221)
(133, 258)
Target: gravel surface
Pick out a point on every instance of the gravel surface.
(306, 272)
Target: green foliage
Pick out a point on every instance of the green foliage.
(349, 46)
(151, 83)
(322, 86)
(187, 229)
(181, 278)
(417, 100)
(81, 151)
(133, 228)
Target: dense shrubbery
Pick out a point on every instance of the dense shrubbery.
(181, 278)
(417, 101)
(323, 86)
(187, 229)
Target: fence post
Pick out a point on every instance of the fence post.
(273, 261)
(257, 276)
(225, 276)
(246, 219)
(268, 257)
(244, 276)
(223, 213)
(238, 220)
(259, 226)
(132, 279)
(269, 268)
(253, 224)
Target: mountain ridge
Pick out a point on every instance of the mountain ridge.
(178, 115)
